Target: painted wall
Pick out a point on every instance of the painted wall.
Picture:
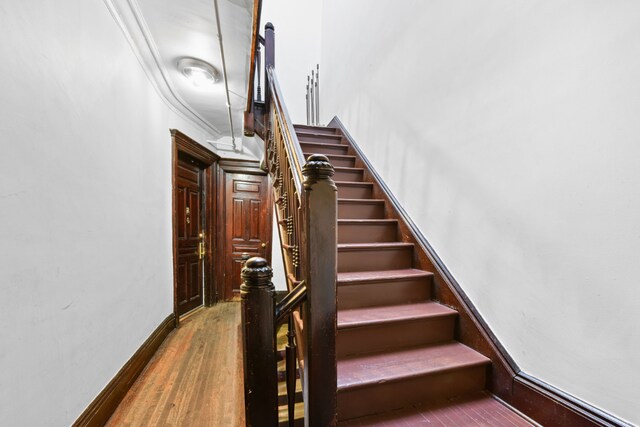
(510, 133)
(85, 207)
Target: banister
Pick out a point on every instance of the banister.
(306, 213)
(290, 302)
(255, 39)
(294, 151)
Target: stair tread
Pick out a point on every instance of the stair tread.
(380, 245)
(324, 144)
(368, 221)
(354, 183)
(376, 201)
(365, 316)
(303, 126)
(337, 156)
(378, 276)
(346, 169)
(477, 409)
(376, 368)
(304, 132)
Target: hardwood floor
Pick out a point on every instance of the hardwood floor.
(195, 378)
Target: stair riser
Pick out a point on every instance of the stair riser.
(377, 398)
(320, 149)
(322, 139)
(340, 163)
(376, 259)
(360, 211)
(351, 176)
(354, 192)
(383, 293)
(312, 129)
(368, 339)
(367, 233)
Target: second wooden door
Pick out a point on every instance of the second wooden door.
(248, 225)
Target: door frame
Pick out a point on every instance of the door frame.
(241, 166)
(181, 143)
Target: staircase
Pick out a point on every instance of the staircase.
(398, 360)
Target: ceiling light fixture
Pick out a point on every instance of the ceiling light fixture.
(199, 73)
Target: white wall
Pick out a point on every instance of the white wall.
(297, 25)
(510, 133)
(277, 262)
(85, 207)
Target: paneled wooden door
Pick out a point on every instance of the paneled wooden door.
(248, 225)
(190, 222)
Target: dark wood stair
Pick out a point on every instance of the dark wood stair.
(397, 355)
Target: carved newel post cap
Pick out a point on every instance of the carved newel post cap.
(318, 167)
(256, 272)
(269, 26)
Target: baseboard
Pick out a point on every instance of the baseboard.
(550, 406)
(536, 399)
(105, 404)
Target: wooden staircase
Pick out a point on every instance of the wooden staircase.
(398, 359)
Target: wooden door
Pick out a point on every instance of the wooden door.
(248, 225)
(190, 221)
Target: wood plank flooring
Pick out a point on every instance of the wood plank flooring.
(195, 379)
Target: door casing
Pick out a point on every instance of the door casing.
(181, 143)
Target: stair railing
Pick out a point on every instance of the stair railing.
(306, 213)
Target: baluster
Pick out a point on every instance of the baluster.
(290, 355)
(258, 330)
(308, 105)
(258, 60)
(317, 94)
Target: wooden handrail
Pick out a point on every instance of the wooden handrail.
(292, 145)
(255, 39)
(290, 302)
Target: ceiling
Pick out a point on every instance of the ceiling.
(163, 31)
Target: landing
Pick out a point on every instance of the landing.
(195, 378)
(479, 410)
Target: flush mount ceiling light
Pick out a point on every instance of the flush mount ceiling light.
(200, 73)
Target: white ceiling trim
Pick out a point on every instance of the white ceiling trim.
(129, 18)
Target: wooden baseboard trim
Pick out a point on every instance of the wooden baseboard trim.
(104, 405)
(550, 406)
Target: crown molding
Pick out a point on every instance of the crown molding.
(128, 16)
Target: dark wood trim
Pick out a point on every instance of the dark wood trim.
(540, 401)
(550, 406)
(191, 147)
(255, 34)
(184, 144)
(251, 167)
(104, 405)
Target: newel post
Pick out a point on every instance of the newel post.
(259, 344)
(320, 258)
(269, 61)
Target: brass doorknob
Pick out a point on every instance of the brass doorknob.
(264, 245)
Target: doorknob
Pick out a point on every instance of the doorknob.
(264, 245)
(201, 249)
